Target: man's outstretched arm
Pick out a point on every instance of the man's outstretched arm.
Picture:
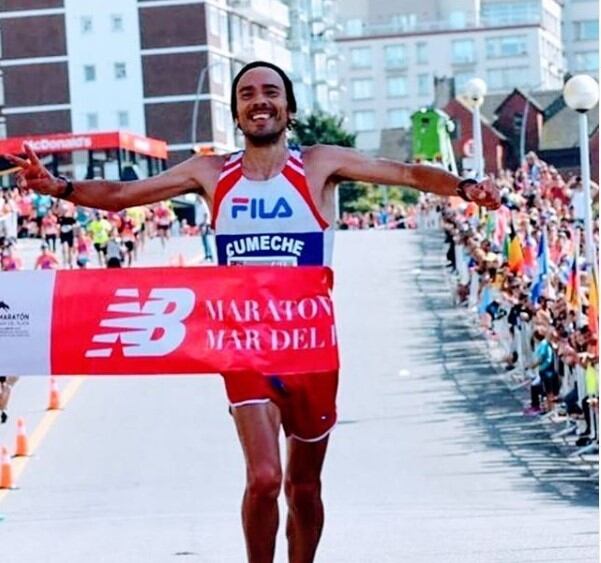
(350, 164)
(105, 194)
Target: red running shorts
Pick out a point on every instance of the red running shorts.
(307, 402)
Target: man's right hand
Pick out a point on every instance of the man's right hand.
(34, 175)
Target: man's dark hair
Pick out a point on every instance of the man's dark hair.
(287, 85)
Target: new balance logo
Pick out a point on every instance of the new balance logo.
(257, 208)
(153, 329)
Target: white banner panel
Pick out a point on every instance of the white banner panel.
(25, 321)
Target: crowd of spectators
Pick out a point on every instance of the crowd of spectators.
(391, 216)
(72, 236)
(525, 265)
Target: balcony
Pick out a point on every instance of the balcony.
(267, 12)
(404, 26)
(264, 50)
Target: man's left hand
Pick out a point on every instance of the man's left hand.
(484, 193)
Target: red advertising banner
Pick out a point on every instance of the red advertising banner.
(70, 142)
(270, 320)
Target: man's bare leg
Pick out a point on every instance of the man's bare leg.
(303, 493)
(258, 428)
(5, 390)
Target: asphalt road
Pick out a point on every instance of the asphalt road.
(432, 460)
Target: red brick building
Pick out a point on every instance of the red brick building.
(551, 130)
(494, 142)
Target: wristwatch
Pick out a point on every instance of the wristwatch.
(461, 188)
(69, 189)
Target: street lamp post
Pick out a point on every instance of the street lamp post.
(581, 93)
(199, 86)
(475, 90)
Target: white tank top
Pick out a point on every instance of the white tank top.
(269, 222)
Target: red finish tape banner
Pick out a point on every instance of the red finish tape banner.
(269, 320)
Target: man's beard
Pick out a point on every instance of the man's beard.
(264, 139)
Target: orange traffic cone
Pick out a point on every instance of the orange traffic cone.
(6, 471)
(22, 447)
(55, 396)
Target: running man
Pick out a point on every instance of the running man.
(100, 228)
(270, 204)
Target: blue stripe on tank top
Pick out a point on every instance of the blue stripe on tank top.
(307, 248)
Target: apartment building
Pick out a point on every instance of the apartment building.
(313, 27)
(580, 27)
(391, 51)
(146, 66)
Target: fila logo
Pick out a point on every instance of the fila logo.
(258, 208)
(151, 329)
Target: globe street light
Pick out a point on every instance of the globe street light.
(581, 93)
(475, 90)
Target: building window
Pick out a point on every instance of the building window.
(87, 25)
(89, 73)
(509, 46)
(457, 19)
(123, 119)
(586, 30)
(463, 51)
(423, 84)
(218, 115)
(364, 120)
(587, 61)
(116, 22)
(396, 86)
(223, 29)
(92, 120)
(518, 119)
(360, 57)
(317, 9)
(508, 78)
(354, 27)
(120, 71)
(461, 79)
(213, 21)
(421, 53)
(398, 117)
(217, 71)
(320, 66)
(511, 12)
(395, 56)
(363, 88)
(321, 94)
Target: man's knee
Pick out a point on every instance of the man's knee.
(302, 492)
(265, 483)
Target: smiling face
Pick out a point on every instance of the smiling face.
(262, 108)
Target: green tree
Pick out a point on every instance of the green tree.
(362, 196)
(321, 128)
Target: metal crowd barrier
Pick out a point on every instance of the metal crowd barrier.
(520, 340)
